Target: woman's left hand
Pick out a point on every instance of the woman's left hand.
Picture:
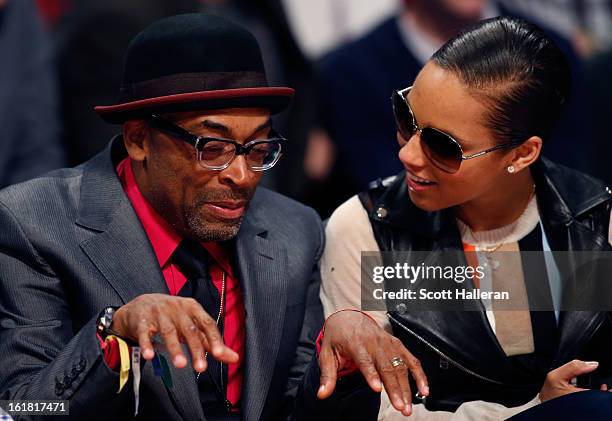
(558, 381)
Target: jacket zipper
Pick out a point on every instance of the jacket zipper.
(441, 354)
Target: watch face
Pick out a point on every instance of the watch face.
(106, 321)
(107, 318)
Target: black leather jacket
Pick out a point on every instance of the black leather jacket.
(459, 352)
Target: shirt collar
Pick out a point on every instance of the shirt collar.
(162, 236)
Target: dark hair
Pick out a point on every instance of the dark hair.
(516, 69)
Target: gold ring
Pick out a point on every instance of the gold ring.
(397, 361)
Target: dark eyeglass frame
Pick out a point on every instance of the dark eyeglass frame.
(460, 156)
(198, 142)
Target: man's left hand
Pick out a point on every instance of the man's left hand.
(351, 337)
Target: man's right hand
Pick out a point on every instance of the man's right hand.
(177, 320)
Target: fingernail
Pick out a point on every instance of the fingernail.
(591, 363)
(408, 409)
(178, 360)
(426, 390)
(377, 384)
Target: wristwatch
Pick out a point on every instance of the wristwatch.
(105, 320)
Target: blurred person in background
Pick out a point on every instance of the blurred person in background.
(598, 80)
(285, 64)
(52, 11)
(91, 37)
(586, 23)
(30, 142)
(599, 90)
(357, 77)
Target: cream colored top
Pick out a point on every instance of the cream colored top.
(348, 233)
(511, 327)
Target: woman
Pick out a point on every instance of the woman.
(470, 131)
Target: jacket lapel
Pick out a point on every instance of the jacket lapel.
(261, 264)
(576, 327)
(121, 249)
(560, 209)
(123, 254)
(583, 288)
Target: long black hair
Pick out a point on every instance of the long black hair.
(516, 70)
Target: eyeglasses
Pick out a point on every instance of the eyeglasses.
(217, 153)
(439, 147)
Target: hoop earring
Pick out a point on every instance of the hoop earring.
(511, 169)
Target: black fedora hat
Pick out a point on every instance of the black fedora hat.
(193, 62)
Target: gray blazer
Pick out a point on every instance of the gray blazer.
(71, 244)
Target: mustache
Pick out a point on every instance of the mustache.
(225, 194)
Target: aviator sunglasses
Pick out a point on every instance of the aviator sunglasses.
(440, 148)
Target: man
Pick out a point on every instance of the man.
(163, 242)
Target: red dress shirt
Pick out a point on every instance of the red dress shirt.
(165, 241)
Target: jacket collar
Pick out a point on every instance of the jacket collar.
(566, 194)
(563, 195)
(101, 190)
